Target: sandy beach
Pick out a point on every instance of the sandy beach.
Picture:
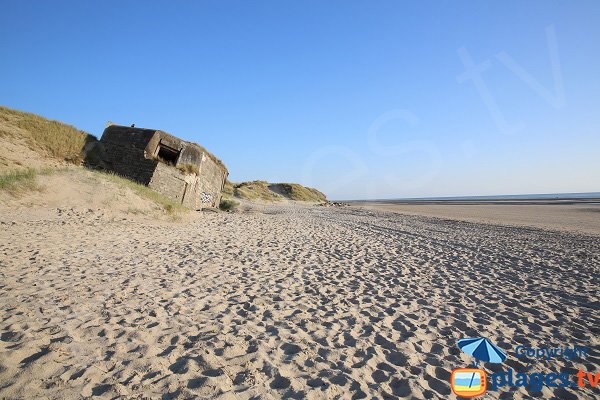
(282, 301)
(264, 200)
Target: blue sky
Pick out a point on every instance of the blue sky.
(359, 99)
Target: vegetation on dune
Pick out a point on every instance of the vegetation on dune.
(17, 182)
(297, 192)
(255, 190)
(59, 140)
(228, 189)
(263, 191)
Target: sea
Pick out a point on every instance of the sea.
(543, 196)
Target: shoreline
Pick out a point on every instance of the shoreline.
(578, 217)
(482, 200)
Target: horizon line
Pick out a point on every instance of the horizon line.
(526, 196)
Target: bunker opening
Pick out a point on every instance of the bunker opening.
(167, 154)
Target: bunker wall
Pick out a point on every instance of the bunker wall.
(212, 179)
(124, 153)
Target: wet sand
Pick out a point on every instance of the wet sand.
(569, 216)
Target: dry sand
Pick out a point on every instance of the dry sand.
(282, 301)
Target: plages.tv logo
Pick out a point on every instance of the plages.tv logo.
(468, 382)
(472, 382)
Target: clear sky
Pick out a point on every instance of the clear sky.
(361, 99)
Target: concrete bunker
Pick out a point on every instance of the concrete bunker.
(181, 170)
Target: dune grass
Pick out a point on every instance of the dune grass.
(20, 181)
(264, 191)
(59, 140)
(255, 190)
(297, 192)
(228, 189)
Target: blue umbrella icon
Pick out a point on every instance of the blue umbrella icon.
(482, 349)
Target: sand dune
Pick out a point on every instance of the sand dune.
(281, 301)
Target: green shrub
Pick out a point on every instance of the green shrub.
(228, 204)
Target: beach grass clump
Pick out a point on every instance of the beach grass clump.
(228, 205)
(59, 140)
(19, 181)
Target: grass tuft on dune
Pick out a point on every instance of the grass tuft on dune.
(18, 182)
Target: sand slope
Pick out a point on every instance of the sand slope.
(281, 301)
